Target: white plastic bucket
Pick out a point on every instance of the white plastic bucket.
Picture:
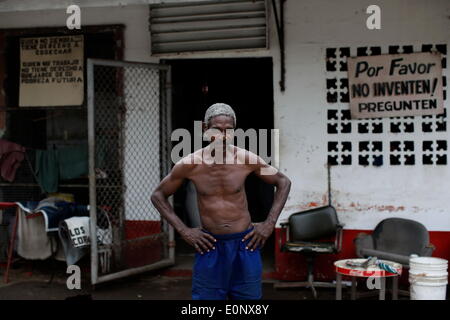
(428, 278)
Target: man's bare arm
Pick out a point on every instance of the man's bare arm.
(283, 186)
(262, 231)
(201, 241)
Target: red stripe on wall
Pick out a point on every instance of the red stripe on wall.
(288, 266)
(292, 266)
(138, 228)
(141, 252)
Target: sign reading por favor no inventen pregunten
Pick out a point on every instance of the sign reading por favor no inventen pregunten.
(395, 85)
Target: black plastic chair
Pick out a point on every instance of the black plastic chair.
(304, 232)
(395, 239)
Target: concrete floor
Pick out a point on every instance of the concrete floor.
(136, 288)
(144, 287)
(31, 282)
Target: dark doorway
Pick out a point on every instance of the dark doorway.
(246, 84)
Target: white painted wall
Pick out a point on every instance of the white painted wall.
(28, 5)
(141, 165)
(300, 112)
(135, 19)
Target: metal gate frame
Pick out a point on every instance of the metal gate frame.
(165, 143)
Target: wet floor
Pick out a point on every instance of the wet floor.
(48, 282)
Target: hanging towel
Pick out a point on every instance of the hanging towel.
(64, 163)
(79, 231)
(33, 242)
(11, 157)
(74, 234)
(73, 162)
(54, 211)
(46, 169)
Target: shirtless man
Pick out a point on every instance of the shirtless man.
(227, 261)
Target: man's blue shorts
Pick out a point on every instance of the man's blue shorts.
(229, 271)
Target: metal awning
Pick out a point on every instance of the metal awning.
(208, 26)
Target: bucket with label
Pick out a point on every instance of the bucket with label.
(428, 278)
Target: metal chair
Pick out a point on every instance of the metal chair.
(304, 232)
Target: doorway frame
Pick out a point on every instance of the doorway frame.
(168, 60)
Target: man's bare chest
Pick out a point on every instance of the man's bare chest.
(219, 179)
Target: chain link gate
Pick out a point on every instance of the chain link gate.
(129, 141)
